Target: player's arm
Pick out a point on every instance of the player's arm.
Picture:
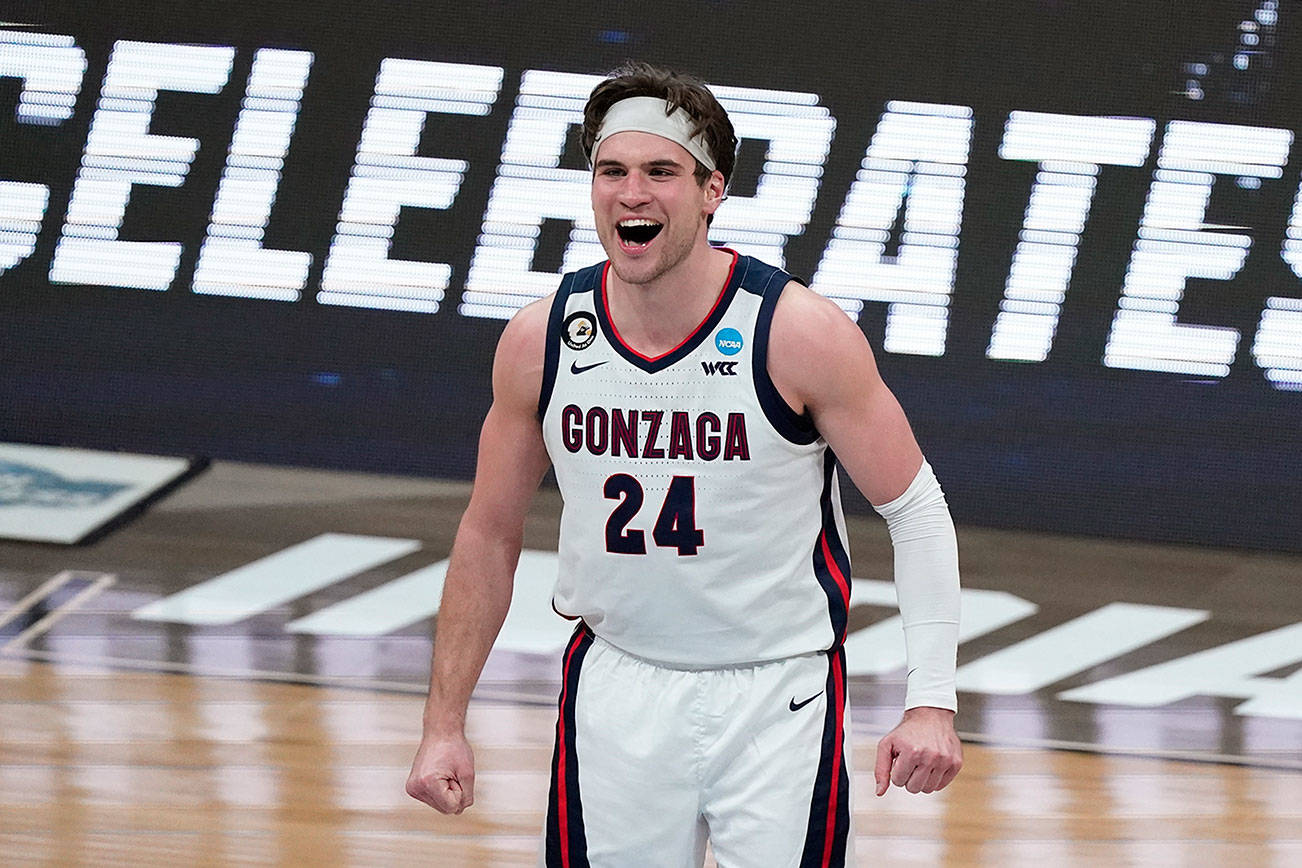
(477, 590)
(820, 361)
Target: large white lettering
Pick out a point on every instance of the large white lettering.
(1277, 348)
(532, 187)
(879, 648)
(1069, 150)
(121, 152)
(1062, 651)
(531, 625)
(232, 260)
(799, 133)
(1174, 246)
(917, 161)
(51, 68)
(387, 176)
(1227, 670)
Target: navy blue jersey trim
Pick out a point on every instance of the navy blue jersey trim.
(827, 570)
(552, 353)
(680, 352)
(793, 426)
(828, 831)
(567, 845)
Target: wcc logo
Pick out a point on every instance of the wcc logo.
(728, 342)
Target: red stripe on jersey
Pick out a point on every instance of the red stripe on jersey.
(838, 686)
(722, 291)
(562, 799)
(835, 569)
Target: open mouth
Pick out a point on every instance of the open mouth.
(637, 233)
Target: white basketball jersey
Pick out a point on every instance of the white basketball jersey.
(702, 523)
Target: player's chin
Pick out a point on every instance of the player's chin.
(636, 270)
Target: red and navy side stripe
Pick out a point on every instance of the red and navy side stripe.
(828, 831)
(567, 845)
(831, 558)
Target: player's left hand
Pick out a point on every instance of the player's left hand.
(922, 754)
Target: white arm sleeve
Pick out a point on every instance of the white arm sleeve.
(926, 582)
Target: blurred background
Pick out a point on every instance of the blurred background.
(258, 256)
(290, 233)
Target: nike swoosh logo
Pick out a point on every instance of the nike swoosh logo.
(575, 369)
(796, 706)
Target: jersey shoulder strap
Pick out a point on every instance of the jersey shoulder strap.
(760, 278)
(768, 282)
(574, 283)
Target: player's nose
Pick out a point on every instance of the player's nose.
(634, 190)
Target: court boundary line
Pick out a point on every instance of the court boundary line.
(43, 590)
(52, 617)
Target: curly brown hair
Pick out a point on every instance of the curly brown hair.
(680, 91)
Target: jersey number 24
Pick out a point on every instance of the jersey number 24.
(675, 527)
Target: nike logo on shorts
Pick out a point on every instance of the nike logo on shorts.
(796, 706)
(575, 369)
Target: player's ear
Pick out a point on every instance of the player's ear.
(713, 191)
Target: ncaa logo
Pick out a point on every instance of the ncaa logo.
(728, 341)
(579, 330)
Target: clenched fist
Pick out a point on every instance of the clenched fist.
(922, 754)
(443, 774)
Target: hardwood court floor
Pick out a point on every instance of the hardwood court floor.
(1045, 615)
(102, 767)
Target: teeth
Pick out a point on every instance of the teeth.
(638, 231)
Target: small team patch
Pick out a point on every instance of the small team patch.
(728, 341)
(579, 330)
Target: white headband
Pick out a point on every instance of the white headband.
(649, 114)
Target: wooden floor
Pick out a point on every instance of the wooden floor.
(113, 751)
(103, 767)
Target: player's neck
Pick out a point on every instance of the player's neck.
(655, 317)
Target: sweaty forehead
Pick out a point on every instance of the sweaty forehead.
(633, 147)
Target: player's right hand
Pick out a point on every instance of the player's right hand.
(443, 774)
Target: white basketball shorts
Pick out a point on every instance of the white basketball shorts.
(650, 761)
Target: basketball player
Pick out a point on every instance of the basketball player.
(690, 400)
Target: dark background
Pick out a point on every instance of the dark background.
(1066, 444)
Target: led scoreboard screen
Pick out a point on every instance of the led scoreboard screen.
(292, 232)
